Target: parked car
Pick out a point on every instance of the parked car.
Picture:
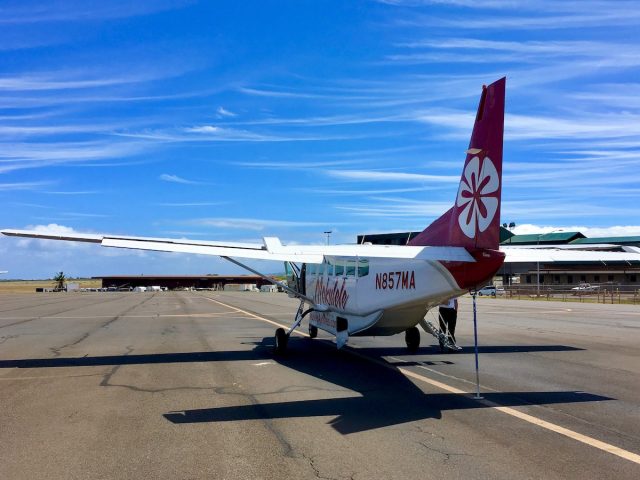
(584, 288)
(491, 290)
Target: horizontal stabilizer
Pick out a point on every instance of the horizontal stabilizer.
(551, 255)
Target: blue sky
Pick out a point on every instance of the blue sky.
(237, 120)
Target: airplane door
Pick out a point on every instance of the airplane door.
(302, 281)
(296, 276)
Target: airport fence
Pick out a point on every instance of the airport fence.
(607, 294)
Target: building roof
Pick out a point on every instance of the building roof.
(611, 240)
(537, 238)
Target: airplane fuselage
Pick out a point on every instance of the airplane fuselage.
(376, 296)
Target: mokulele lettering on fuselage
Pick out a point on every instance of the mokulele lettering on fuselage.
(379, 289)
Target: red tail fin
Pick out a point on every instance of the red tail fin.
(474, 219)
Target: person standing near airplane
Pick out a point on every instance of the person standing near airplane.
(448, 314)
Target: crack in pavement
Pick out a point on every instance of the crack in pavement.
(447, 455)
(84, 336)
(107, 376)
(7, 337)
(317, 472)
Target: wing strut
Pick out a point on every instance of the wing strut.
(282, 336)
(271, 280)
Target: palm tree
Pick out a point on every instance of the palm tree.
(59, 279)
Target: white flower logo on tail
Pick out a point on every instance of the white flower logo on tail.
(477, 194)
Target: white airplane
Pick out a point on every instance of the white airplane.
(3, 271)
(384, 289)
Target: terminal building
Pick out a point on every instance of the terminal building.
(180, 282)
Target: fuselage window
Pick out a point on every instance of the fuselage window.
(351, 268)
(329, 269)
(363, 268)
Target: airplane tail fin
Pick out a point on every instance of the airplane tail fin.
(474, 219)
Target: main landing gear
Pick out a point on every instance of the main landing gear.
(282, 336)
(412, 339)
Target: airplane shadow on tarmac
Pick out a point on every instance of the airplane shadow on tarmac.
(386, 396)
(262, 351)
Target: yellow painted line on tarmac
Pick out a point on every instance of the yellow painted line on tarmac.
(606, 447)
(253, 315)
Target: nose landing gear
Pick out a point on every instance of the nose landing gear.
(282, 339)
(313, 331)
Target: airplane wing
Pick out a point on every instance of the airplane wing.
(270, 249)
(551, 255)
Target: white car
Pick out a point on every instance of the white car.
(584, 288)
(491, 290)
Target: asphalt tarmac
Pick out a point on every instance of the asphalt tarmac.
(184, 385)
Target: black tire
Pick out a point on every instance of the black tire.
(313, 331)
(412, 339)
(281, 341)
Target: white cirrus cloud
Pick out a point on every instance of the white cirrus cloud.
(223, 112)
(22, 185)
(249, 223)
(384, 176)
(165, 177)
(82, 11)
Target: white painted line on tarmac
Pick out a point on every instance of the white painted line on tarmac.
(89, 317)
(606, 447)
(442, 374)
(50, 377)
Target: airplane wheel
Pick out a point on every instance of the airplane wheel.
(313, 331)
(281, 340)
(412, 338)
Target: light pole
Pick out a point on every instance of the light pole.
(328, 234)
(538, 268)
